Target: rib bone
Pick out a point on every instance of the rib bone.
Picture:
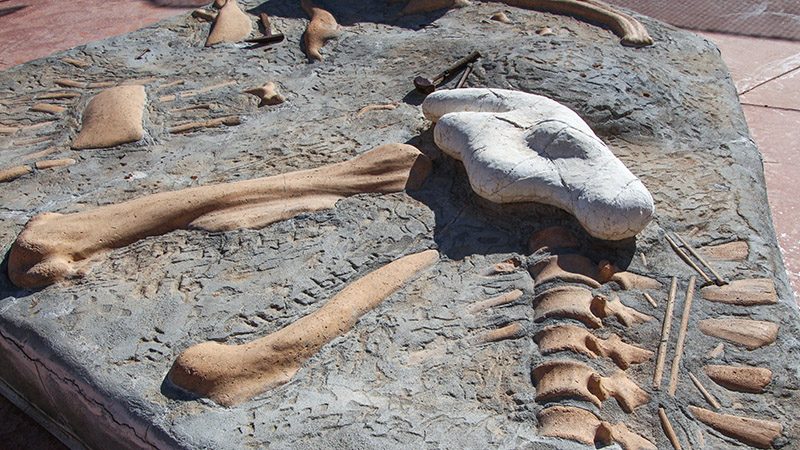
(231, 374)
(580, 304)
(580, 340)
(556, 380)
(53, 246)
(751, 334)
(758, 291)
(580, 425)
(755, 432)
(740, 378)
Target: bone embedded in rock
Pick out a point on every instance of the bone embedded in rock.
(54, 247)
(232, 374)
(552, 239)
(666, 329)
(740, 378)
(113, 117)
(48, 108)
(669, 431)
(502, 299)
(426, 6)
(731, 251)
(704, 392)
(679, 344)
(751, 334)
(757, 291)
(604, 307)
(501, 17)
(513, 330)
(210, 123)
(230, 25)
(321, 29)
(579, 340)
(568, 379)
(570, 268)
(12, 173)
(520, 147)
(267, 94)
(53, 163)
(580, 425)
(630, 30)
(756, 432)
(574, 302)
(630, 280)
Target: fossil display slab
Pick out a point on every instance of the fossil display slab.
(447, 358)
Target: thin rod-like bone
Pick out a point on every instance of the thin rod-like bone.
(463, 80)
(665, 330)
(502, 299)
(211, 123)
(513, 330)
(676, 361)
(707, 395)
(231, 374)
(650, 300)
(686, 259)
(53, 247)
(666, 425)
(719, 280)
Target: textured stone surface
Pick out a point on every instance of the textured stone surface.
(93, 354)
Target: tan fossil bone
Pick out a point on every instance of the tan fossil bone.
(669, 431)
(740, 378)
(552, 239)
(731, 251)
(757, 291)
(568, 379)
(513, 330)
(231, 374)
(579, 340)
(502, 299)
(230, 25)
(322, 28)
(267, 94)
(751, 334)
(112, 117)
(12, 173)
(48, 108)
(580, 269)
(578, 303)
(666, 329)
(681, 342)
(580, 425)
(376, 107)
(501, 17)
(756, 432)
(210, 123)
(57, 95)
(54, 163)
(704, 392)
(53, 246)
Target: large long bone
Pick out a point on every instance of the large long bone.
(580, 425)
(579, 340)
(231, 374)
(574, 302)
(565, 379)
(54, 247)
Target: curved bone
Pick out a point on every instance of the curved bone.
(53, 246)
(112, 117)
(578, 303)
(740, 378)
(520, 147)
(751, 334)
(580, 425)
(230, 25)
(321, 28)
(580, 269)
(758, 291)
(556, 380)
(267, 94)
(580, 340)
(231, 374)
(755, 432)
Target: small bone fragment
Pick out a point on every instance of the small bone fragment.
(231, 374)
(666, 327)
(206, 106)
(719, 279)
(101, 84)
(53, 247)
(8, 130)
(545, 31)
(426, 6)
(48, 108)
(751, 334)
(707, 395)
(580, 304)
(508, 266)
(40, 154)
(552, 239)
(717, 351)
(33, 141)
(686, 258)
(53, 163)
(80, 63)
(580, 340)
(510, 331)
(580, 425)
(64, 82)
(562, 379)
(666, 425)
(630, 280)
(230, 25)
(58, 95)
(112, 117)
(210, 123)
(676, 361)
(376, 107)
(12, 173)
(321, 28)
(520, 147)
(268, 94)
(204, 15)
(755, 432)
(650, 300)
(500, 300)
(758, 291)
(501, 17)
(264, 17)
(731, 251)
(740, 378)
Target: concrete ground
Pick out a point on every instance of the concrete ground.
(766, 73)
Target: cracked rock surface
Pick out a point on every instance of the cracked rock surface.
(93, 353)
